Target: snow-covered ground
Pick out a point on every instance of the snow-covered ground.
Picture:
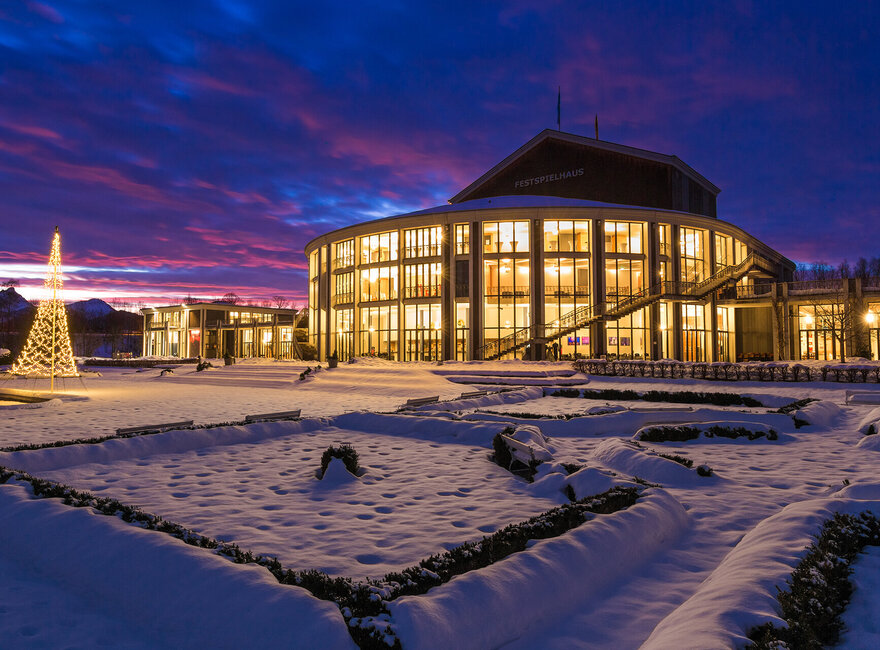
(678, 568)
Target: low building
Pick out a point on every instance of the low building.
(215, 329)
(569, 247)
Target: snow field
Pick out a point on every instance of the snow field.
(741, 592)
(415, 498)
(495, 605)
(159, 585)
(429, 486)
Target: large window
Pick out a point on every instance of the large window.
(342, 333)
(627, 337)
(692, 247)
(872, 321)
(462, 239)
(565, 278)
(506, 290)
(343, 255)
(379, 283)
(422, 242)
(723, 251)
(694, 334)
(820, 330)
(422, 280)
(379, 248)
(623, 237)
(462, 330)
(378, 331)
(666, 334)
(422, 332)
(506, 278)
(567, 236)
(664, 233)
(725, 332)
(344, 288)
(506, 237)
(623, 278)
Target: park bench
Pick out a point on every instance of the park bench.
(862, 397)
(270, 417)
(421, 401)
(473, 393)
(168, 426)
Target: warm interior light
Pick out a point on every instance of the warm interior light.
(808, 319)
(372, 329)
(870, 318)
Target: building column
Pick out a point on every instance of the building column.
(447, 293)
(536, 277)
(677, 331)
(597, 329)
(476, 289)
(713, 319)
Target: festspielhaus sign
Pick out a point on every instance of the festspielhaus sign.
(549, 178)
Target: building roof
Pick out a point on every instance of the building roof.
(592, 143)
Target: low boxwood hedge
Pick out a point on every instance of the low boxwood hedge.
(674, 397)
(345, 453)
(819, 589)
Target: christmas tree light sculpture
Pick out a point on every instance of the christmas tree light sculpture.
(48, 352)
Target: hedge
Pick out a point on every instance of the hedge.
(819, 589)
(362, 604)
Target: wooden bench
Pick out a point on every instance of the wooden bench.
(168, 426)
(862, 397)
(661, 409)
(269, 417)
(473, 393)
(420, 401)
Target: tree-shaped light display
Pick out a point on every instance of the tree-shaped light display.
(48, 352)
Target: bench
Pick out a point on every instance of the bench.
(270, 417)
(862, 397)
(168, 426)
(473, 393)
(420, 401)
(661, 409)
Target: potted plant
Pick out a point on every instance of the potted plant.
(333, 360)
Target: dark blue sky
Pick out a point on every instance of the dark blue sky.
(196, 146)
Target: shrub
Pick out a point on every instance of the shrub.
(309, 352)
(788, 409)
(819, 590)
(346, 453)
(571, 468)
(704, 470)
(681, 460)
(674, 397)
(204, 365)
(669, 434)
(739, 432)
(871, 431)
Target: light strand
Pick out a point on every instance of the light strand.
(48, 352)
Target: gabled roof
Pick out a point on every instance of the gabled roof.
(550, 134)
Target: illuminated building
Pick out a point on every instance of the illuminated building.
(570, 246)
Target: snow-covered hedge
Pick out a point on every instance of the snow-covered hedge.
(723, 371)
(819, 589)
(675, 397)
(726, 429)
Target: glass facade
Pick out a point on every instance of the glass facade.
(401, 295)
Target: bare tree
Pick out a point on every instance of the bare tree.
(231, 298)
(281, 302)
(11, 283)
(190, 300)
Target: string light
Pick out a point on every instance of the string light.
(48, 352)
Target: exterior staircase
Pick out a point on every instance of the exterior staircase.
(589, 314)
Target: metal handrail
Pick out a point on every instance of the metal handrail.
(582, 316)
